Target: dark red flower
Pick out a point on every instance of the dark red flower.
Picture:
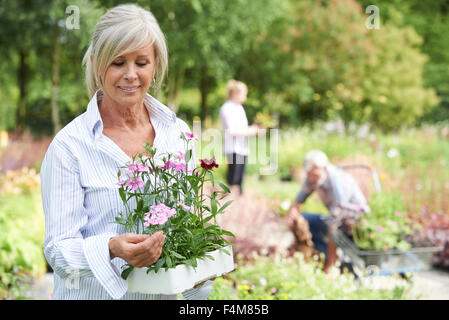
(209, 164)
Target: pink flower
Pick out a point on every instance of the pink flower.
(135, 184)
(185, 207)
(423, 209)
(158, 214)
(180, 167)
(168, 165)
(121, 182)
(189, 135)
(142, 168)
(433, 216)
(394, 224)
(397, 213)
(180, 156)
(133, 167)
(191, 172)
(363, 222)
(379, 228)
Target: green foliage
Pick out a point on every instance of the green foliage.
(172, 200)
(431, 21)
(21, 235)
(324, 63)
(386, 226)
(22, 232)
(276, 278)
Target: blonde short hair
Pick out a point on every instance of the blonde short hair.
(234, 86)
(123, 29)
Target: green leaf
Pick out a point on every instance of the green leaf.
(212, 181)
(221, 210)
(224, 187)
(209, 257)
(169, 261)
(228, 233)
(193, 262)
(159, 264)
(188, 156)
(139, 205)
(126, 272)
(213, 206)
(122, 195)
(177, 255)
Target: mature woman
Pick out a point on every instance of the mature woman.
(86, 250)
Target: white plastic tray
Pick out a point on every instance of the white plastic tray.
(181, 278)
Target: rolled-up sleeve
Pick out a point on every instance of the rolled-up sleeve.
(65, 248)
(304, 193)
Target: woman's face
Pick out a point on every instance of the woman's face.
(129, 76)
(240, 96)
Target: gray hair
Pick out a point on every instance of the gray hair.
(123, 29)
(315, 158)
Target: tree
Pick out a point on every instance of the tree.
(206, 38)
(326, 64)
(430, 19)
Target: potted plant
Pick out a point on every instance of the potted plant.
(379, 239)
(162, 194)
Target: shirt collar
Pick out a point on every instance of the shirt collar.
(156, 110)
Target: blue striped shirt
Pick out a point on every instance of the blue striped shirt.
(81, 200)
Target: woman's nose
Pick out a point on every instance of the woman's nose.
(130, 72)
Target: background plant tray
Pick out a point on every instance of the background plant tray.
(389, 261)
(183, 277)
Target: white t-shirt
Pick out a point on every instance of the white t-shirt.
(233, 118)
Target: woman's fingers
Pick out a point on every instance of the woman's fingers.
(154, 241)
(135, 238)
(148, 251)
(147, 258)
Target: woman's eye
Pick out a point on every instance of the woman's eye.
(117, 63)
(141, 64)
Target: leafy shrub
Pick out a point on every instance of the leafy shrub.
(385, 227)
(21, 232)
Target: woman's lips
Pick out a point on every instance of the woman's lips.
(129, 89)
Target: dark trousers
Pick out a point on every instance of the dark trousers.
(319, 229)
(236, 169)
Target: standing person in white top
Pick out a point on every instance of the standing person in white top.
(126, 57)
(236, 130)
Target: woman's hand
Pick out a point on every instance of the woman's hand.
(139, 250)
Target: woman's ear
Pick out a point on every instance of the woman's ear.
(91, 58)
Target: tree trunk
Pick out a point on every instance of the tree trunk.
(204, 90)
(55, 80)
(22, 78)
